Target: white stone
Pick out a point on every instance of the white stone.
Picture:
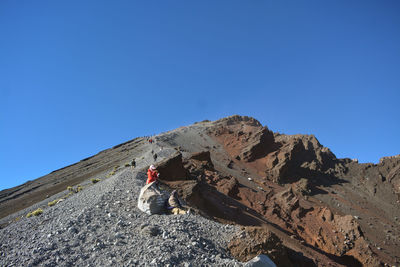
(260, 261)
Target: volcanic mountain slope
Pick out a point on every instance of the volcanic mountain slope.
(294, 200)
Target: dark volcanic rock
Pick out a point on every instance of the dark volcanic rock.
(172, 169)
(299, 156)
(258, 145)
(204, 157)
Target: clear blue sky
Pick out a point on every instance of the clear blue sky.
(77, 77)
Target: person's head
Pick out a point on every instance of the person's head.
(152, 168)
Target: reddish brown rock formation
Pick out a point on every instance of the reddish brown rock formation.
(244, 139)
(299, 160)
(225, 199)
(172, 169)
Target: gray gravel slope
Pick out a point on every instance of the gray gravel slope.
(101, 226)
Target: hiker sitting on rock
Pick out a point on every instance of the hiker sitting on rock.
(174, 205)
(152, 174)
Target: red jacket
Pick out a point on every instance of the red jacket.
(152, 176)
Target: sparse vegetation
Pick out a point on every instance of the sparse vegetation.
(37, 212)
(127, 164)
(70, 188)
(95, 180)
(69, 194)
(113, 171)
(34, 213)
(78, 188)
(111, 174)
(52, 203)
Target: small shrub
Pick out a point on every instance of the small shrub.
(37, 212)
(70, 188)
(78, 188)
(127, 164)
(34, 213)
(95, 180)
(52, 203)
(116, 167)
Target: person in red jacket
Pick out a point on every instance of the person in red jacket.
(152, 174)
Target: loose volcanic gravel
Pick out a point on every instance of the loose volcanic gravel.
(102, 226)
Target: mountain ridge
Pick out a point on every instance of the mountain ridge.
(325, 208)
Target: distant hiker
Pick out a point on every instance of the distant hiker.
(174, 205)
(150, 141)
(133, 164)
(152, 174)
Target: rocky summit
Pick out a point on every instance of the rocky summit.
(250, 191)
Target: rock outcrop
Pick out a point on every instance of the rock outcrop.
(171, 169)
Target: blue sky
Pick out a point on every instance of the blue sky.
(77, 77)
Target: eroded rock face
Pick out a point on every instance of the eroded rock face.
(299, 156)
(303, 186)
(244, 138)
(172, 169)
(379, 180)
(253, 241)
(203, 158)
(223, 198)
(277, 157)
(211, 193)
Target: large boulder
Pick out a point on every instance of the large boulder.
(151, 200)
